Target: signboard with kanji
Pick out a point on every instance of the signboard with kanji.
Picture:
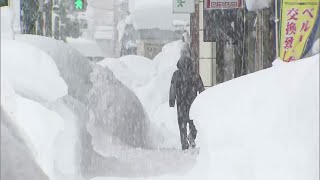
(299, 20)
(223, 4)
(183, 6)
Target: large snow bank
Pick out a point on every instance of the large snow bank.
(150, 80)
(15, 153)
(31, 72)
(133, 71)
(258, 127)
(264, 125)
(146, 13)
(73, 67)
(6, 20)
(116, 114)
(39, 125)
(49, 127)
(253, 5)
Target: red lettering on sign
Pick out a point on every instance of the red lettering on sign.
(293, 13)
(305, 26)
(291, 28)
(309, 11)
(288, 43)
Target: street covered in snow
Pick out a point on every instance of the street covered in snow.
(151, 90)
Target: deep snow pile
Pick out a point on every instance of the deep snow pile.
(99, 111)
(73, 67)
(22, 70)
(150, 80)
(261, 126)
(116, 115)
(133, 71)
(15, 153)
(33, 75)
(264, 125)
(39, 125)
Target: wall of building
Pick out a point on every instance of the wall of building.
(207, 54)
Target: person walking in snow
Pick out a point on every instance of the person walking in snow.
(185, 86)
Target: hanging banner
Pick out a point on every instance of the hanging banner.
(223, 4)
(183, 6)
(299, 20)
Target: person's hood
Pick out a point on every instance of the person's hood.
(184, 64)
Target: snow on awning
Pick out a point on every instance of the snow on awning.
(87, 48)
(155, 14)
(253, 5)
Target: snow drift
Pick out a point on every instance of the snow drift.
(150, 80)
(264, 125)
(133, 71)
(72, 66)
(261, 126)
(15, 153)
(31, 72)
(116, 113)
(54, 125)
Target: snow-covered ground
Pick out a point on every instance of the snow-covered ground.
(257, 127)
(272, 132)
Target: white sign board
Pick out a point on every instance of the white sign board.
(183, 6)
(223, 4)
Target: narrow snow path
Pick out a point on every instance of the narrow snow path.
(137, 162)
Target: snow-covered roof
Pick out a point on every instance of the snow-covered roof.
(253, 5)
(87, 48)
(150, 14)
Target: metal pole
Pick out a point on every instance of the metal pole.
(194, 33)
(243, 42)
(277, 28)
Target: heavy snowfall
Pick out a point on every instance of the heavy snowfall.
(86, 94)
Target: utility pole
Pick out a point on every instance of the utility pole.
(194, 33)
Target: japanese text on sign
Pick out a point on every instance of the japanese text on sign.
(297, 22)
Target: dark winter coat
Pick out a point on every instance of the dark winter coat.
(185, 86)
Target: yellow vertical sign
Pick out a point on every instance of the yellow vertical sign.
(298, 18)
